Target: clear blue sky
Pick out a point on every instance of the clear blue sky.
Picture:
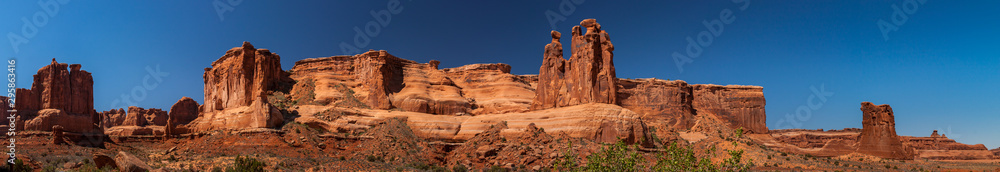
(939, 70)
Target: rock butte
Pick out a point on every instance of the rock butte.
(246, 90)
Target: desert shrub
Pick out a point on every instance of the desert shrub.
(459, 168)
(373, 158)
(496, 168)
(567, 162)
(246, 164)
(615, 157)
(19, 166)
(734, 162)
(49, 169)
(676, 158)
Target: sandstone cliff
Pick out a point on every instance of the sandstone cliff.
(236, 87)
(739, 106)
(399, 84)
(58, 96)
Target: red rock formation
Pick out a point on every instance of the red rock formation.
(4, 106)
(429, 90)
(739, 106)
(878, 135)
(996, 152)
(81, 100)
(50, 117)
(378, 74)
(57, 135)
(239, 77)
(134, 116)
(235, 90)
(551, 74)
(666, 103)
(111, 118)
(183, 112)
(58, 97)
(26, 100)
(491, 88)
(589, 74)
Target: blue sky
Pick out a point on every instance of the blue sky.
(939, 69)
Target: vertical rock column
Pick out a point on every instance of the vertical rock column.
(550, 75)
(878, 135)
(588, 76)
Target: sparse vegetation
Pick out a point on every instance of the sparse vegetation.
(615, 157)
(348, 100)
(19, 166)
(246, 164)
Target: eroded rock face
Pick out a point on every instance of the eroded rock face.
(184, 111)
(666, 103)
(378, 74)
(235, 90)
(376, 80)
(588, 76)
(492, 89)
(56, 92)
(429, 90)
(739, 106)
(591, 75)
(878, 135)
(134, 116)
(47, 118)
(551, 74)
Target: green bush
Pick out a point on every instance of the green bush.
(19, 166)
(676, 158)
(459, 168)
(616, 157)
(246, 164)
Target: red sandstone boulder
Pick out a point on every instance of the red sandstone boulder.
(183, 112)
(57, 135)
(128, 162)
(878, 135)
(737, 105)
